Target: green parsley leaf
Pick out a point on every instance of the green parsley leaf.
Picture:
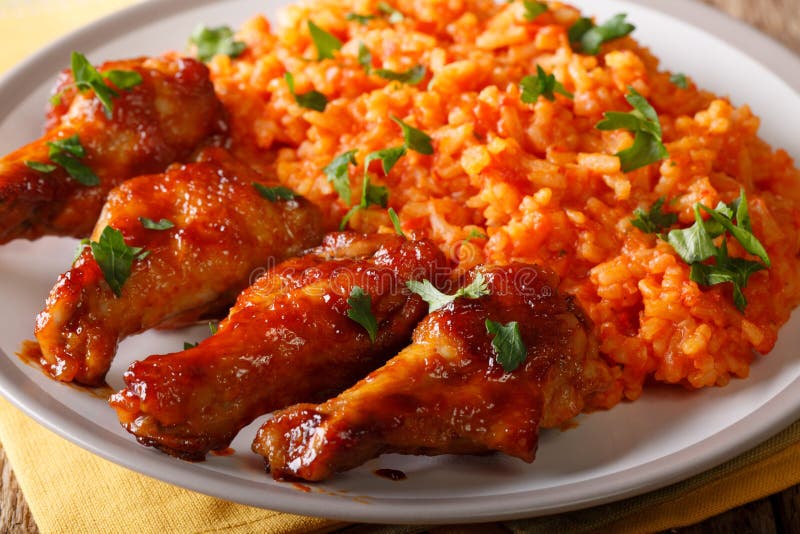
(737, 271)
(533, 9)
(414, 139)
(395, 16)
(187, 345)
(653, 221)
(586, 37)
(364, 57)
(311, 100)
(79, 250)
(115, 258)
(412, 76)
(150, 224)
(542, 84)
(396, 222)
(475, 234)
(746, 238)
(680, 80)
(371, 195)
(693, 244)
(86, 77)
(213, 327)
(337, 173)
(361, 19)
(325, 42)
(67, 153)
(360, 311)
(41, 167)
(643, 122)
(123, 79)
(273, 194)
(507, 343)
(215, 41)
(387, 156)
(436, 300)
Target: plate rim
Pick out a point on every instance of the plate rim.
(767, 420)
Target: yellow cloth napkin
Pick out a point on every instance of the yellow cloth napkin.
(71, 490)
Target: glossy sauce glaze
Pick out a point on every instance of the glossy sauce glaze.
(447, 392)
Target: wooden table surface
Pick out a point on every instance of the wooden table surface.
(777, 513)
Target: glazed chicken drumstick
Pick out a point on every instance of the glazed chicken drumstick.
(291, 337)
(449, 391)
(160, 120)
(219, 231)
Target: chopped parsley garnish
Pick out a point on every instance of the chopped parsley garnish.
(187, 345)
(41, 167)
(643, 122)
(215, 41)
(115, 258)
(86, 77)
(533, 9)
(654, 220)
(478, 288)
(475, 234)
(213, 327)
(361, 19)
(586, 37)
(695, 245)
(81, 245)
(364, 57)
(412, 76)
(679, 79)
(542, 84)
(311, 100)
(396, 222)
(338, 175)
(326, 43)
(395, 16)
(150, 224)
(273, 194)
(67, 154)
(415, 139)
(507, 343)
(360, 311)
(372, 195)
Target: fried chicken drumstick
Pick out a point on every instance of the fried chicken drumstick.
(288, 339)
(224, 230)
(448, 392)
(159, 121)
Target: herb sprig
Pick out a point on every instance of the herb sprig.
(654, 220)
(437, 300)
(86, 77)
(586, 37)
(115, 258)
(273, 194)
(360, 311)
(215, 41)
(67, 153)
(643, 122)
(325, 42)
(533, 9)
(507, 343)
(150, 224)
(412, 76)
(310, 100)
(542, 84)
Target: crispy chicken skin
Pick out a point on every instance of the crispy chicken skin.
(154, 124)
(446, 392)
(288, 339)
(224, 231)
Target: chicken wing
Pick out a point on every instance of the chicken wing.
(448, 392)
(224, 230)
(157, 122)
(288, 339)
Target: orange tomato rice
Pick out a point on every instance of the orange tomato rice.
(538, 179)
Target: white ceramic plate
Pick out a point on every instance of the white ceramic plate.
(667, 435)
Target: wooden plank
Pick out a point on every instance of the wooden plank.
(15, 516)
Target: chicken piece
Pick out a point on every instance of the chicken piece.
(155, 123)
(288, 339)
(224, 233)
(447, 392)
